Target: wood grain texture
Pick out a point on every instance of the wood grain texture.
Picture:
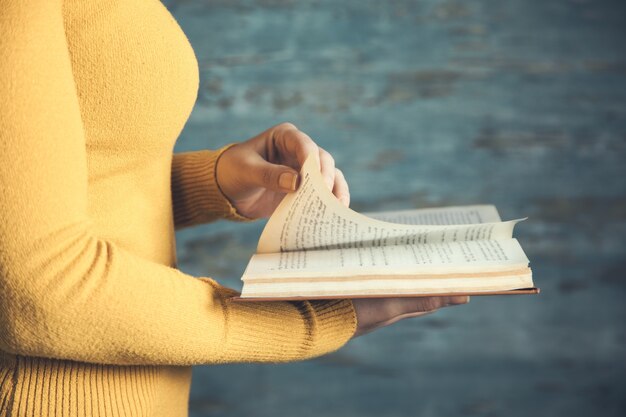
(431, 103)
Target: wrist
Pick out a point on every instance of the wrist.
(220, 170)
(220, 175)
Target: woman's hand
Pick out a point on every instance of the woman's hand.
(373, 313)
(256, 174)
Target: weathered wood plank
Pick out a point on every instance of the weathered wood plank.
(425, 103)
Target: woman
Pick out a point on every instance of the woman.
(94, 317)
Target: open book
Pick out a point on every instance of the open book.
(313, 247)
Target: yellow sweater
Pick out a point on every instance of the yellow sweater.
(94, 317)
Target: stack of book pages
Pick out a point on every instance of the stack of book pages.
(313, 247)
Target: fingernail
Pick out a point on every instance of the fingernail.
(287, 181)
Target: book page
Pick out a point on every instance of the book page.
(440, 215)
(312, 218)
(441, 258)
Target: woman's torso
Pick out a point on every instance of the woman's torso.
(136, 79)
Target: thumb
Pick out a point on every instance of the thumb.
(273, 177)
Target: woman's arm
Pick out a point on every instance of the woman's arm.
(196, 196)
(67, 293)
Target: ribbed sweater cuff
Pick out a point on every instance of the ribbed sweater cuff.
(196, 195)
(286, 330)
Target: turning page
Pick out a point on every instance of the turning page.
(440, 215)
(313, 218)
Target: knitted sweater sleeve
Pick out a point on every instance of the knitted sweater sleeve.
(66, 292)
(196, 196)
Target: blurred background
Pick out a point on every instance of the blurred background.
(428, 103)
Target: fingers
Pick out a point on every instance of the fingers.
(421, 304)
(274, 177)
(290, 142)
(328, 168)
(440, 302)
(373, 313)
(458, 300)
(340, 188)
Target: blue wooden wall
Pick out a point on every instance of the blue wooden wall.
(425, 103)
